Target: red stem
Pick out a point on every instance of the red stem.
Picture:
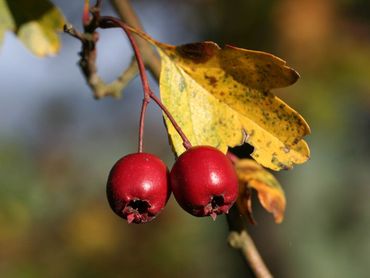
(143, 77)
(185, 141)
(141, 125)
(108, 21)
(86, 14)
(233, 158)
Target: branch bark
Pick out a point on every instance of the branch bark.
(240, 239)
(88, 67)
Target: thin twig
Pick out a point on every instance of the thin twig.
(88, 67)
(107, 22)
(127, 14)
(111, 21)
(241, 240)
(245, 244)
(114, 89)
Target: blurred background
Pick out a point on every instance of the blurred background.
(57, 145)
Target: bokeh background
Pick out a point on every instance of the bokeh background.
(57, 146)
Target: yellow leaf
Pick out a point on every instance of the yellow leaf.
(220, 97)
(270, 193)
(36, 23)
(6, 21)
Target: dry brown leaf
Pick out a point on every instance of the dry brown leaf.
(270, 193)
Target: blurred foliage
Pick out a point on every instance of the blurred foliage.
(54, 219)
(55, 222)
(36, 24)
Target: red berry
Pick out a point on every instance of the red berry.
(138, 187)
(204, 181)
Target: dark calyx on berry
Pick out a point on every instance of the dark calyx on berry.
(204, 181)
(138, 187)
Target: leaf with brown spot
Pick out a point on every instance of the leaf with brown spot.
(270, 193)
(219, 95)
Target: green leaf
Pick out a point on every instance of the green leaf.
(35, 22)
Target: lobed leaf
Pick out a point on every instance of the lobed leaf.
(221, 97)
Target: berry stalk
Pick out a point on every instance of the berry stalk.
(144, 80)
(142, 122)
(86, 14)
(107, 22)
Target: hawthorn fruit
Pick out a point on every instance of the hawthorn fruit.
(204, 181)
(138, 187)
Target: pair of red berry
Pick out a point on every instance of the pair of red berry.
(202, 180)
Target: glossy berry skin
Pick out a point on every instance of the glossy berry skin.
(138, 187)
(204, 181)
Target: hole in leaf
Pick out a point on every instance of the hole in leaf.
(243, 151)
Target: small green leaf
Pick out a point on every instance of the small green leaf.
(36, 24)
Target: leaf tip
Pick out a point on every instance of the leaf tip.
(294, 75)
